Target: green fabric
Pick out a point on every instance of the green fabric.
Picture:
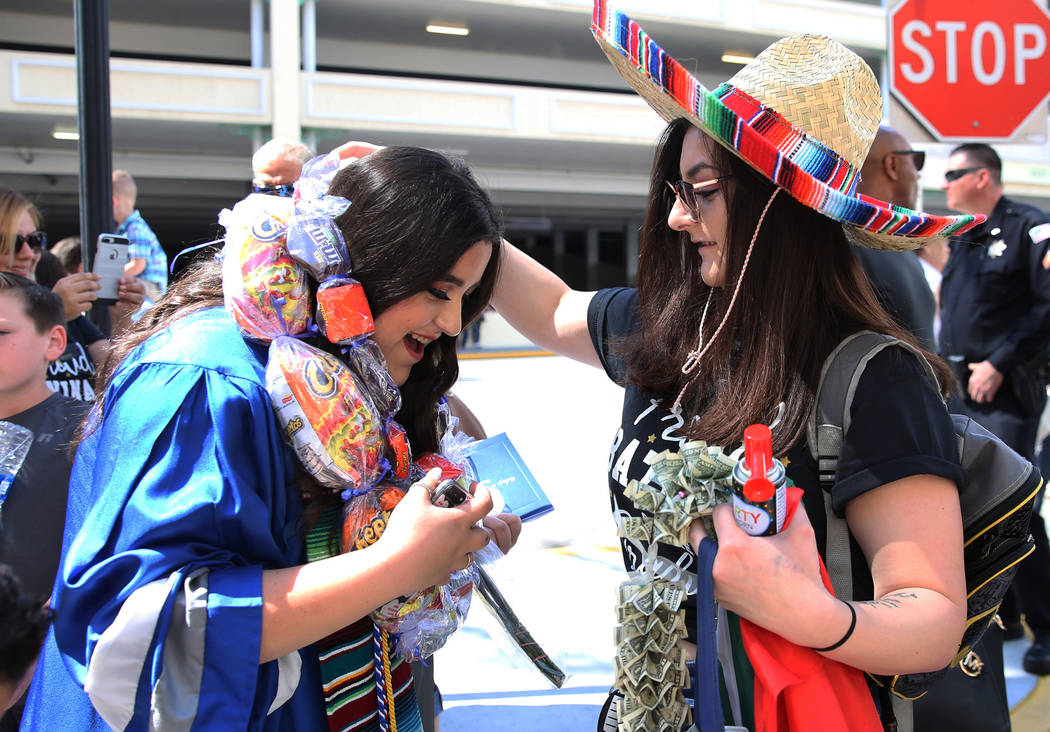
(745, 674)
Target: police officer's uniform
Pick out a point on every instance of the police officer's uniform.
(995, 306)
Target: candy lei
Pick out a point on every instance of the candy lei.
(650, 667)
(286, 277)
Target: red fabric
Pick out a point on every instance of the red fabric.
(798, 689)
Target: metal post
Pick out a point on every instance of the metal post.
(91, 19)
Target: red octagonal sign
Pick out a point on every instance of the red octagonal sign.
(970, 70)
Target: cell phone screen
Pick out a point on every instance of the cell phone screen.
(449, 494)
(111, 255)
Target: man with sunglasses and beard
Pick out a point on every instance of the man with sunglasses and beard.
(891, 173)
(995, 333)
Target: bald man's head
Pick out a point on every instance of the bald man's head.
(891, 170)
(279, 162)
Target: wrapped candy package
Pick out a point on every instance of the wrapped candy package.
(343, 314)
(266, 291)
(422, 622)
(327, 417)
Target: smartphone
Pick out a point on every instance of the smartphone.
(449, 494)
(111, 254)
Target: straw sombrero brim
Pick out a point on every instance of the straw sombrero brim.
(810, 171)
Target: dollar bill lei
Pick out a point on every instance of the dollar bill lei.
(650, 668)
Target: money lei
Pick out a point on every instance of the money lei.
(649, 666)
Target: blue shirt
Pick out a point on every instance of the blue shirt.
(144, 245)
(178, 501)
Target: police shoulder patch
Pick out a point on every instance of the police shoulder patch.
(1039, 233)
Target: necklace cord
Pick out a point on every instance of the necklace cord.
(693, 359)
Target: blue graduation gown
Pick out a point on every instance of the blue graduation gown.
(178, 501)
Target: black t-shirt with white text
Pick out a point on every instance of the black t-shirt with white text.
(73, 373)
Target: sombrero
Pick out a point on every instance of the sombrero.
(803, 114)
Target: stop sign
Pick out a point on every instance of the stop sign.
(970, 70)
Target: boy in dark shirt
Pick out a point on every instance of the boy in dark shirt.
(32, 515)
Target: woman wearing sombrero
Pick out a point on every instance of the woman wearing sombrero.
(746, 283)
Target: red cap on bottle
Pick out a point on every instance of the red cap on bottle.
(758, 450)
(759, 490)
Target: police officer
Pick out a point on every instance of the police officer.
(995, 332)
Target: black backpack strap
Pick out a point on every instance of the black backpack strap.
(839, 377)
(829, 421)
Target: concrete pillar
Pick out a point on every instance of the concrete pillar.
(631, 236)
(591, 253)
(559, 252)
(310, 35)
(284, 67)
(257, 33)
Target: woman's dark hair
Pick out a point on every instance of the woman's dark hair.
(413, 213)
(803, 291)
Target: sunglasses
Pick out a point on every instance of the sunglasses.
(954, 175)
(687, 192)
(918, 156)
(285, 190)
(36, 240)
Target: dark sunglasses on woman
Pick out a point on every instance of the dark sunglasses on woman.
(36, 240)
(687, 192)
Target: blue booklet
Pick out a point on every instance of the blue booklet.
(499, 466)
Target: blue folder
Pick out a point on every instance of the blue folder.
(498, 465)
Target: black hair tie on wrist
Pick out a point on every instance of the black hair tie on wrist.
(843, 639)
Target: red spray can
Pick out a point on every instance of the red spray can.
(759, 485)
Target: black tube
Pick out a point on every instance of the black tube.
(91, 19)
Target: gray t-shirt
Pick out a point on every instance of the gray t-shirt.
(34, 513)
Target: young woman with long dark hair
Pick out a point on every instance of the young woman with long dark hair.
(184, 600)
(746, 283)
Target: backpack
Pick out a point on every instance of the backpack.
(997, 497)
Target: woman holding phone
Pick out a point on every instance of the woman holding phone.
(22, 243)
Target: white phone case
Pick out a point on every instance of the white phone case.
(110, 257)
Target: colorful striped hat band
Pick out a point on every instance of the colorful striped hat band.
(803, 114)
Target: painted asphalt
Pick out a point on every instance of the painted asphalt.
(562, 575)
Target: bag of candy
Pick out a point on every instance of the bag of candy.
(265, 290)
(328, 418)
(420, 623)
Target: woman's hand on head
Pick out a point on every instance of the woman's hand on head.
(773, 581)
(77, 291)
(435, 542)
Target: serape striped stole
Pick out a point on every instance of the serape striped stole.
(348, 671)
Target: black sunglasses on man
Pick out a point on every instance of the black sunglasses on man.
(918, 156)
